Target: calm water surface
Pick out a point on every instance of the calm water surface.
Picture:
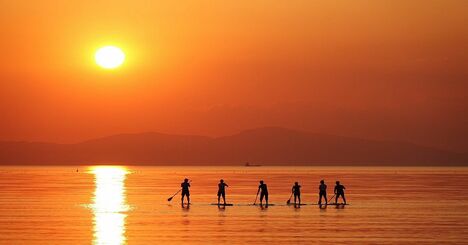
(128, 205)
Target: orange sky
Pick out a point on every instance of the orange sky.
(373, 69)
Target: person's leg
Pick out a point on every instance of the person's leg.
(188, 198)
(182, 199)
(320, 198)
(344, 199)
(261, 198)
(224, 198)
(338, 196)
(218, 197)
(266, 198)
(325, 196)
(299, 197)
(295, 197)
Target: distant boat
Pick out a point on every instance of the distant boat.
(247, 164)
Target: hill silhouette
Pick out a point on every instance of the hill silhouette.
(268, 146)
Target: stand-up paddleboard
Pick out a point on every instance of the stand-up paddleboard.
(297, 204)
(222, 204)
(264, 205)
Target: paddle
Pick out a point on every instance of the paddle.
(289, 200)
(170, 198)
(256, 198)
(331, 198)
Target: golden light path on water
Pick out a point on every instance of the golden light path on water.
(109, 205)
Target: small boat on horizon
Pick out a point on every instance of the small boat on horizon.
(247, 164)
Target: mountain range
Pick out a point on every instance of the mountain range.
(265, 146)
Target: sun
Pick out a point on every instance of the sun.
(109, 57)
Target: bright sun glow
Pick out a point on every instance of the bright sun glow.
(109, 57)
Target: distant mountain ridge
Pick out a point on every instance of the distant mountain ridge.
(268, 146)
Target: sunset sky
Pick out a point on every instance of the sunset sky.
(382, 70)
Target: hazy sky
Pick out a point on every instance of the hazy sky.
(373, 69)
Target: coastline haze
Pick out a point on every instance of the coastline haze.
(266, 146)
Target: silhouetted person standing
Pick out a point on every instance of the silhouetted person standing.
(296, 189)
(339, 191)
(185, 191)
(222, 191)
(322, 192)
(264, 192)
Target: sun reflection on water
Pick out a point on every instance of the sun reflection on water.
(109, 205)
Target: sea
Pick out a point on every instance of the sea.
(129, 205)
